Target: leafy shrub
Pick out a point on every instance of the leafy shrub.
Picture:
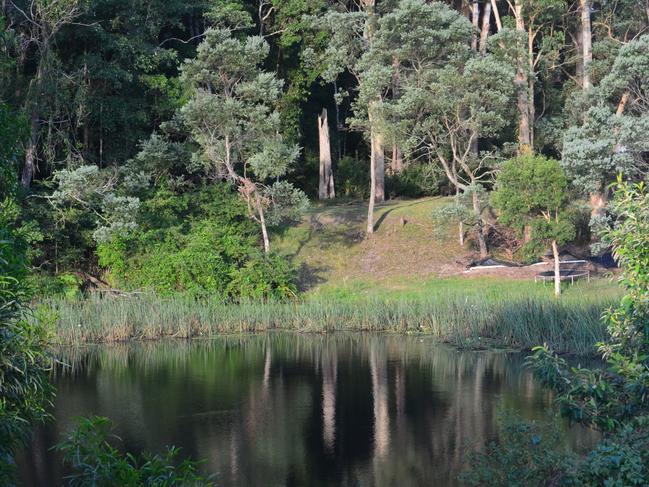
(527, 454)
(415, 181)
(96, 463)
(200, 243)
(613, 400)
(263, 277)
(24, 362)
(352, 178)
(619, 460)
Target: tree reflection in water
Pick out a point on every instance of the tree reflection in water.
(295, 409)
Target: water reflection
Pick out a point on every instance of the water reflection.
(288, 409)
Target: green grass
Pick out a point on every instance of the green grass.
(490, 314)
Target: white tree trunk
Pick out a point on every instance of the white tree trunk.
(475, 21)
(586, 42)
(370, 206)
(262, 222)
(482, 241)
(379, 168)
(486, 26)
(522, 82)
(325, 186)
(557, 268)
(499, 24)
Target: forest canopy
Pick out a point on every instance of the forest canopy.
(161, 144)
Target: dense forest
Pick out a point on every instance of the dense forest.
(159, 152)
(160, 144)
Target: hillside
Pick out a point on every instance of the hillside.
(408, 255)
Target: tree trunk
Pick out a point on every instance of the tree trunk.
(377, 165)
(396, 165)
(379, 168)
(623, 102)
(325, 186)
(579, 65)
(475, 21)
(522, 82)
(482, 241)
(486, 26)
(598, 201)
(586, 42)
(499, 24)
(262, 222)
(370, 206)
(397, 160)
(557, 268)
(30, 151)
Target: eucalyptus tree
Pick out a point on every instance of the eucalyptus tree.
(612, 136)
(449, 95)
(532, 191)
(232, 115)
(534, 47)
(350, 34)
(36, 24)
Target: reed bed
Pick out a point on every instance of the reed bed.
(567, 325)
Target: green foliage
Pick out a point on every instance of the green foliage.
(12, 129)
(532, 191)
(526, 454)
(607, 143)
(263, 277)
(415, 181)
(197, 243)
(351, 178)
(619, 460)
(232, 116)
(24, 362)
(610, 399)
(96, 463)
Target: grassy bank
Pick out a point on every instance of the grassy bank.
(470, 319)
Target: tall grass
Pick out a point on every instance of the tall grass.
(572, 326)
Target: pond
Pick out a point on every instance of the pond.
(284, 409)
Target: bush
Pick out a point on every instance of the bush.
(263, 277)
(24, 363)
(200, 243)
(527, 454)
(352, 178)
(415, 181)
(96, 463)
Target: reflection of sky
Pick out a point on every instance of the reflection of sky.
(289, 409)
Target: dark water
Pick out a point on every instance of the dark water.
(294, 410)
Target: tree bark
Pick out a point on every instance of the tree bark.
(325, 186)
(397, 160)
(377, 162)
(623, 102)
(522, 82)
(598, 202)
(499, 24)
(396, 164)
(475, 21)
(486, 26)
(482, 241)
(262, 222)
(557, 268)
(379, 168)
(29, 168)
(370, 207)
(586, 42)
